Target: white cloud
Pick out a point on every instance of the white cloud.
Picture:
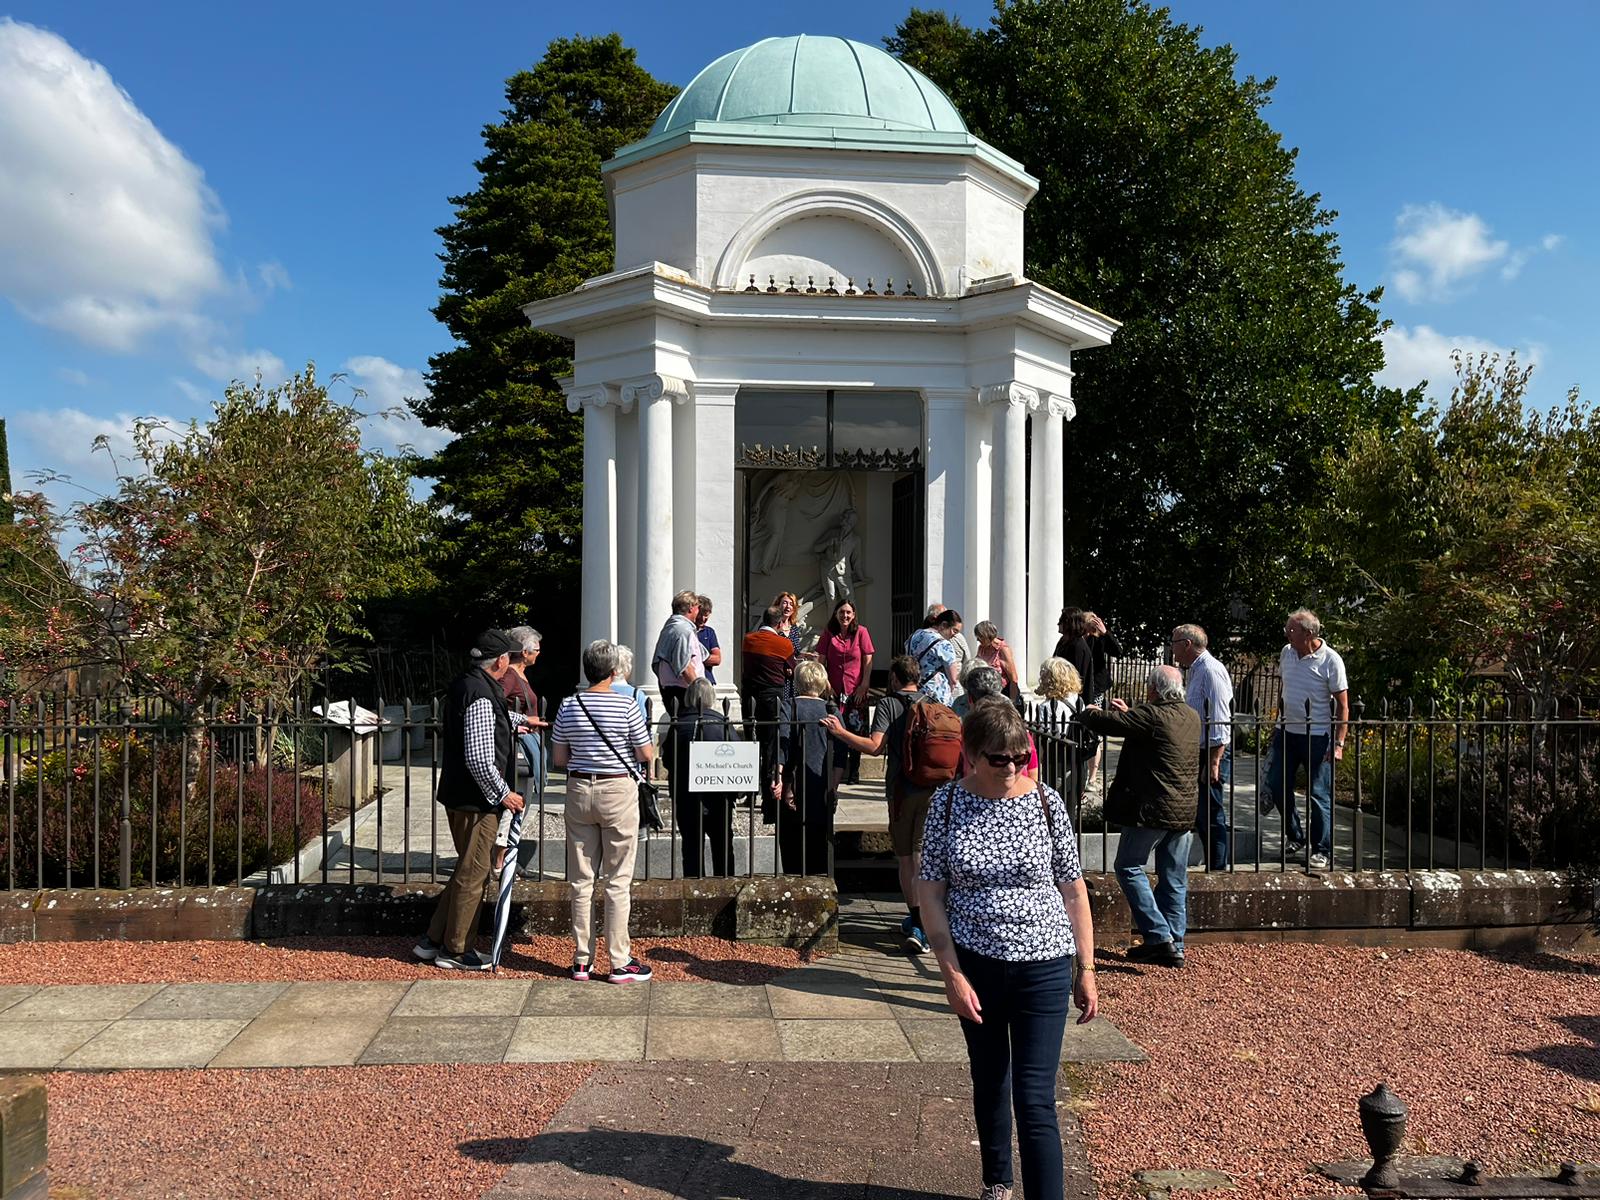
(1436, 248)
(229, 365)
(274, 275)
(1422, 353)
(392, 424)
(64, 442)
(1551, 241)
(73, 376)
(105, 227)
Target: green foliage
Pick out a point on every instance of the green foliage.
(230, 558)
(536, 226)
(1470, 538)
(1168, 202)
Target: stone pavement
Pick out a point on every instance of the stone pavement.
(869, 1003)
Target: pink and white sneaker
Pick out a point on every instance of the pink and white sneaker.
(633, 971)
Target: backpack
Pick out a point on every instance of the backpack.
(931, 752)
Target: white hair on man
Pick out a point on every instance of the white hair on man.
(1192, 634)
(1307, 621)
(1166, 683)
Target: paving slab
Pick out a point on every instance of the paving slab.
(564, 997)
(34, 1045)
(713, 1039)
(832, 1003)
(716, 1101)
(155, 1043)
(82, 1002)
(844, 1040)
(937, 1041)
(209, 1001)
(839, 1116)
(300, 1041)
(464, 998)
(709, 1000)
(361, 999)
(440, 1039)
(1098, 1041)
(565, 1039)
(14, 993)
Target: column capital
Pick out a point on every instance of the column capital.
(1009, 393)
(1062, 407)
(948, 397)
(596, 395)
(654, 387)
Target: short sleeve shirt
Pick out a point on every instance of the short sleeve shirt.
(614, 716)
(889, 719)
(843, 657)
(1002, 861)
(934, 654)
(708, 643)
(1316, 678)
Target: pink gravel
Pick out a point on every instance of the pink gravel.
(673, 960)
(436, 1131)
(1258, 1054)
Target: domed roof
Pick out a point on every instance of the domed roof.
(812, 81)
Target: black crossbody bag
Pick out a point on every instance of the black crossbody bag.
(649, 807)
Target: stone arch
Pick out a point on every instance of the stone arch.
(888, 223)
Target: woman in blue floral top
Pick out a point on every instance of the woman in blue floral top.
(1005, 909)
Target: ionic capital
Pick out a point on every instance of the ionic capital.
(1062, 407)
(1009, 393)
(596, 395)
(654, 387)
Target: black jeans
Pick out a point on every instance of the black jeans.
(1014, 1056)
(806, 830)
(700, 817)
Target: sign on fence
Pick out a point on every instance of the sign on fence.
(724, 766)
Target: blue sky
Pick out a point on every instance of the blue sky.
(189, 191)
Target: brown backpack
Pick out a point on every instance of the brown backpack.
(931, 753)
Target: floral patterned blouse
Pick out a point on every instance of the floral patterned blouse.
(1002, 860)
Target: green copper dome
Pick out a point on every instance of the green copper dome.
(828, 82)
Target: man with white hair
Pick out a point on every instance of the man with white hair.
(1210, 693)
(1153, 799)
(1313, 716)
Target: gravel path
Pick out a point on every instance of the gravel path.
(1258, 1054)
(441, 1132)
(674, 960)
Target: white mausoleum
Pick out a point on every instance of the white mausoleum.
(818, 366)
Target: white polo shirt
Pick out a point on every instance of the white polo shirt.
(1317, 677)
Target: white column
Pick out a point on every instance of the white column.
(945, 575)
(716, 519)
(654, 396)
(1039, 616)
(627, 522)
(1058, 412)
(1009, 579)
(974, 600)
(597, 614)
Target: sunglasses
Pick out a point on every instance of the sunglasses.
(999, 761)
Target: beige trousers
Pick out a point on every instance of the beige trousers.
(602, 839)
(455, 918)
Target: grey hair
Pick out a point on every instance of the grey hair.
(985, 630)
(1166, 683)
(1307, 620)
(1192, 634)
(599, 661)
(527, 637)
(702, 693)
(984, 682)
(624, 665)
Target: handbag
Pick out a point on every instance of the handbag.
(649, 794)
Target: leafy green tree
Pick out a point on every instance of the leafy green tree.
(231, 559)
(535, 226)
(1471, 540)
(1167, 201)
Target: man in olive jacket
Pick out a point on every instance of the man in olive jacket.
(1153, 799)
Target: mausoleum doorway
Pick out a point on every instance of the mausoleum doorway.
(831, 488)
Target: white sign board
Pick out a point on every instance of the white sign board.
(724, 766)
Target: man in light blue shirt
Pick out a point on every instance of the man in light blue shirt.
(1210, 693)
(1313, 719)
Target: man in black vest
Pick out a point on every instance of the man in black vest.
(475, 776)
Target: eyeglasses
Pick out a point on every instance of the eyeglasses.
(999, 761)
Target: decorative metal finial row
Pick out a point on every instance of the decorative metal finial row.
(832, 289)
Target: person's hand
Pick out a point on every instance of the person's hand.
(963, 1000)
(789, 802)
(1119, 704)
(1086, 996)
(832, 724)
(513, 802)
(1335, 752)
(1216, 771)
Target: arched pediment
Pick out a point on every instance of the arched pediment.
(844, 234)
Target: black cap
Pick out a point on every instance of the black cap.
(492, 643)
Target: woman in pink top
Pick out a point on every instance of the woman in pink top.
(846, 650)
(993, 650)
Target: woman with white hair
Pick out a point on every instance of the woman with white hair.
(622, 681)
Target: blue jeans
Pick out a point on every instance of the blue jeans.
(533, 752)
(1014, 1056)
(1161, 915)
(1217, 831)
(1290, 752)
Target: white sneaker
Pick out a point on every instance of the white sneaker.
(1320, 861)
(995, 1191)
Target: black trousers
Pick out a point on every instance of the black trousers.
(700, 817)
(763, 711)
(805, 832)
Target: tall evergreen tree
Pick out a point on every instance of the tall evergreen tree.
(535, 226)
(1168, 202)
(7, 513)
